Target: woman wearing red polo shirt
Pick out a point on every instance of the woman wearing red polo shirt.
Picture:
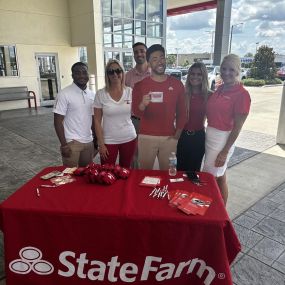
(191, 144)
(226, 112)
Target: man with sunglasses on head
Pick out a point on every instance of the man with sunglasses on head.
(159, 102)
(73, 112)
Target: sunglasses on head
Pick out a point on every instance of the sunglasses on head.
(113, 71)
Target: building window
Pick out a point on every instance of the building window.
(8, 61)
(83, 54)
(126, 21)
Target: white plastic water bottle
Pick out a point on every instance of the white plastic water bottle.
(172, 164)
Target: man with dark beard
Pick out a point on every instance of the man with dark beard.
(159, 102)
(141, 69)
(73, 111)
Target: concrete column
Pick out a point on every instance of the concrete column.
(281, 123)
(96, 64)
(223, 21)
(95, 53)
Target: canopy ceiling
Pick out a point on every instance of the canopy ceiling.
(178, 7)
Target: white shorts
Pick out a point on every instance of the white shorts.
(215, 142)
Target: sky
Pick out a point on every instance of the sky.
(263, 24)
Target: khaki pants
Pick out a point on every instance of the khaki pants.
(81, 154)
(150, 147)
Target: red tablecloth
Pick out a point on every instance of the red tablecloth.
(82, 233)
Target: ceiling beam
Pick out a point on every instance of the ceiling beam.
(192, 8)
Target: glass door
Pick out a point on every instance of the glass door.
(48, 78)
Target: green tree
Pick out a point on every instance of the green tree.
(263, 66)
(170, 59)
(186, 63)
(249, 54)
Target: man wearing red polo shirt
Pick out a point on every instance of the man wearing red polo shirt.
(159, 102)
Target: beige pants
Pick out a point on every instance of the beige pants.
(81, 154)
(150, 147)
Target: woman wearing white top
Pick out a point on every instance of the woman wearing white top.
(112, 115)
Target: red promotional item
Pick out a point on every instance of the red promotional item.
(195, 203)
(177, 197)
(117, 169)
(79, 171)
(104, 174)
(150, 181)
(106, 177)
(123, 173)
(93, 175)
(107, 167)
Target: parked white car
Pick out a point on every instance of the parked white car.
(213, 76)
(174, 72)
(244, 73)
(215, 79)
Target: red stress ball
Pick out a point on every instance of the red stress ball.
(79, 171)
(108, 167)
(121, 172)
(106, 177)
(124, 173)
(117, 170)
(92, 175)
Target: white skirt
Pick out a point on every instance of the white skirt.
(215, 142)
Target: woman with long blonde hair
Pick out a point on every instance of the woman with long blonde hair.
(191, 144)
(112, 117)
(227, 110)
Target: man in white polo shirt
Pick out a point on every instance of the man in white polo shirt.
(73, 117)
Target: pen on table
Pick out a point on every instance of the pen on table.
(38, 192)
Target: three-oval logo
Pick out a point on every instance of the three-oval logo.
(31, 260)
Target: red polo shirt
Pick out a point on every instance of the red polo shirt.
(223, 105)
(197, 113)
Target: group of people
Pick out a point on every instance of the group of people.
(146, 114)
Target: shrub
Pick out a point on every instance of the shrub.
(253, 82)
(273, 81)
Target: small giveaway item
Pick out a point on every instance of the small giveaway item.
(151, 181)
(156, 97)
(177, 197)
(121, 172)
(79, 171)
(51, 174)
(190, 203)
(159, 193)
(195, 204)
(104, 174)
(106, 177)
(62, 180)
(69, 170)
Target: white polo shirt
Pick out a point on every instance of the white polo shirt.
(76, 106)
(117, 124)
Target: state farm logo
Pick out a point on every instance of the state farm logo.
(83, 266)
(31, 260)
